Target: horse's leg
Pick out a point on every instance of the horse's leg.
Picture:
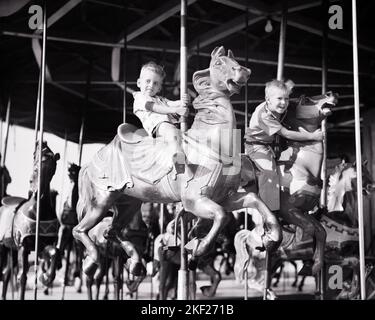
(272, 232)
(106, 269)
(24, 255)
(314, 229)
(102, 200)
(277, 275)
(89, 282)
(6, 269)
(301, 284)
(77, 271)
(207, 209)
(117, 276)
(215, 276)
(123, 215)
(98, 278)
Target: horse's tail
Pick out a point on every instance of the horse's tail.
(242, 254)
(83, 190)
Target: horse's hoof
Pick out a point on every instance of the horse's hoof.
(206, 291)
(137, 269)
(78, 284)
(89, 266)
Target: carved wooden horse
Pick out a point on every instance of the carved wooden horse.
(136, 165)
(18, 223)
(68, 219)
(299, 167)
(167, 262)
(342, 234)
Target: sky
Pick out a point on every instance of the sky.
(19, 159)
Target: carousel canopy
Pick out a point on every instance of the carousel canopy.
(86, 65)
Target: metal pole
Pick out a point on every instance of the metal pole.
(358, 153)
(82, 129)
(161, 218)
(124, 66)
(64, 171)
(281, 56)
(246, 124)
(320, 278)
(5, 144)
(183, 59)
(37, 116)
(41, 107)
(183, 277)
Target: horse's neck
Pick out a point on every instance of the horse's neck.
(72, 198)
(337, 193)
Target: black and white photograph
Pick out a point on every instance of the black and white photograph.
(204, 153)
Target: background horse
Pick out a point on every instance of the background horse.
(137, 166)
(18, 223)
(342, 235)
(68, 219)
(299, 168)
(167, 262)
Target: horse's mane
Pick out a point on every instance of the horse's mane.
(336, 187)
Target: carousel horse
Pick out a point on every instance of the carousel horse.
(68, 219)
(137, 235)
(18, 223)
(167, 262)
(299, 168)
(134, 165)
(339, 223)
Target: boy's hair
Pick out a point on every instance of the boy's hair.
(158, 69)
(287, 86)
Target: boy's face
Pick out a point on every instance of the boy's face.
(149, 82)
(277, 100)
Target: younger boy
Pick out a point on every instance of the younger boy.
(264, 124)
(158, 114)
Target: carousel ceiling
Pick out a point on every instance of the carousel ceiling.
(86, 63)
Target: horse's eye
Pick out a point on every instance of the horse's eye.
(217, 63)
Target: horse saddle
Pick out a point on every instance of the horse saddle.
(130, 134)
(132, 153)
(12, 201)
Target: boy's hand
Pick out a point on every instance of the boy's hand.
(185, 100)
(182, 111)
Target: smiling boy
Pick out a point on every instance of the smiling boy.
(264, 124)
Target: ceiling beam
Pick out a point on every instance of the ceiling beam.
(224, 30)
(154, 18)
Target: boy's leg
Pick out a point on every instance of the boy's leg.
(268, 180)
(173, 137)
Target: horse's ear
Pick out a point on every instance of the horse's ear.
(230, 54)
(218, 52)
(57, 156)
(354, 163)
(201, 80)
(364, 163)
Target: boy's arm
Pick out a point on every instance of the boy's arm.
(301, 135)
(165, 109)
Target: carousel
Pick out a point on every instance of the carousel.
(171, 204)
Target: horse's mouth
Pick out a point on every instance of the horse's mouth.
(235, 86)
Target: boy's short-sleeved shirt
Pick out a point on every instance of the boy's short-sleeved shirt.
(148, 118)
(263, 125)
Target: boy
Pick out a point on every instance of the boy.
(264, 124)
(158, 114)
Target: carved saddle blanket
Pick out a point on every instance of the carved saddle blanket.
(132, 153)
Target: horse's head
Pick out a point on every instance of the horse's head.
(310, 111)
(368, 184)
(73, 172)
(48, 168)
(224, 74)
(343, 186)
